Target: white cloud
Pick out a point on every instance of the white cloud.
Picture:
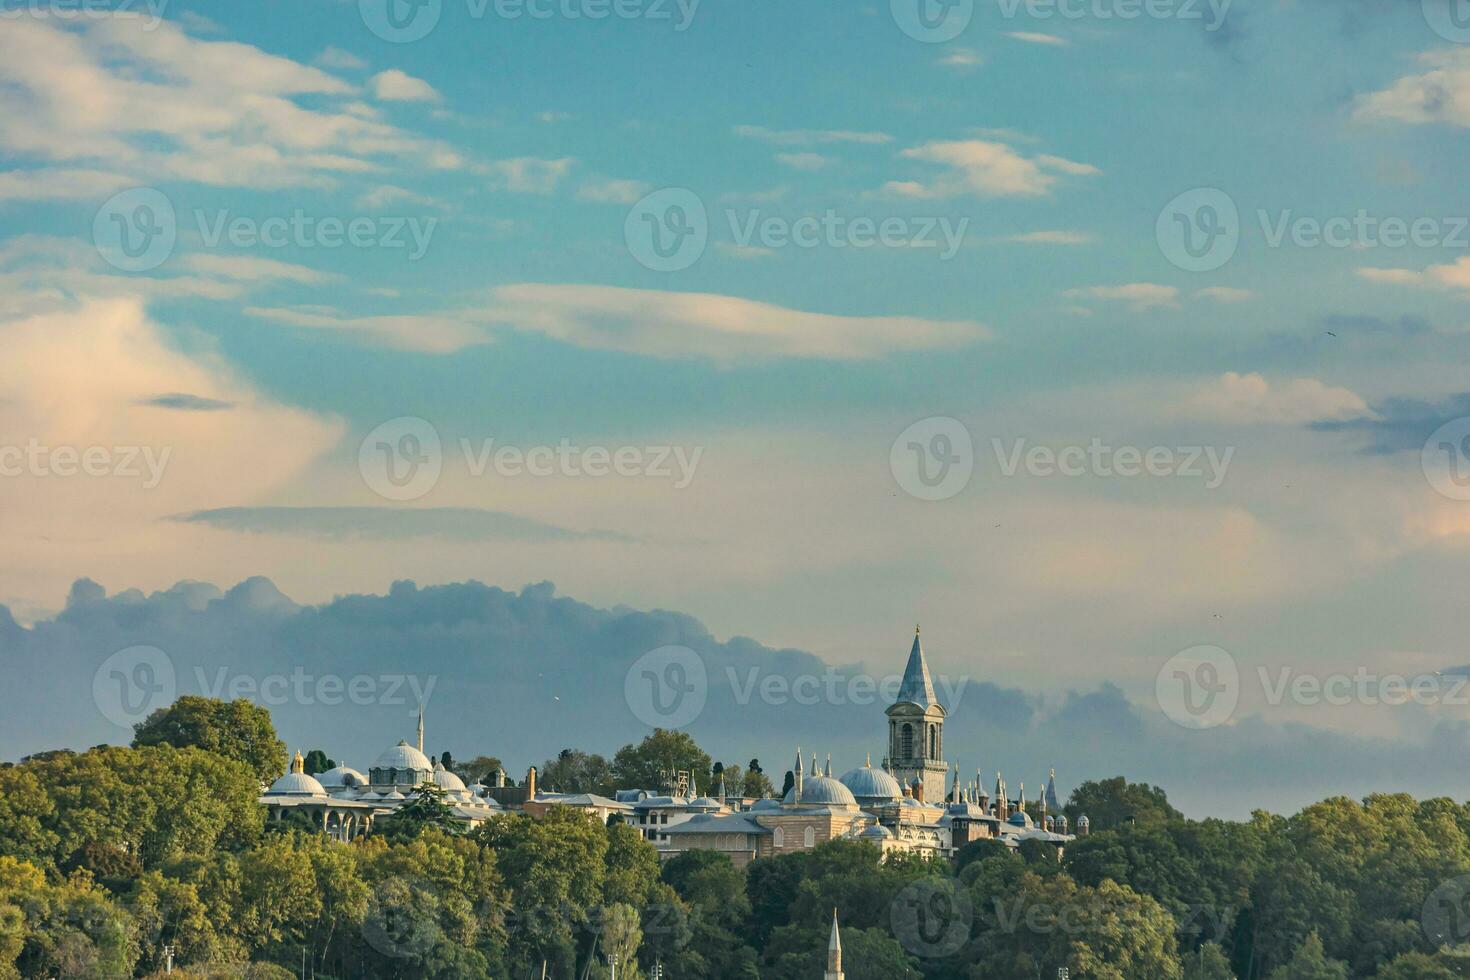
(984, 168)
(1454, 275)
(810, 137)
(962, 59)
(610, 190)
(802, 161)
(745, 251)
(1032, 37)
(337, 58)
(1250, 399)
(1224, 294)
(48, 184)
(157, 104)
(527, 175)
(1138, 295)
(397, 86)
(704, 325)
(386, 195)
(249, 268)
(1441, 94)
(426, 333)
(1053, 238)
(101, 374)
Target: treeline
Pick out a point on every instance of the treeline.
(115, 860)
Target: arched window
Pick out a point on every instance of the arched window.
(778, 837)
(933, 741)
(906, 741)
(810, 837)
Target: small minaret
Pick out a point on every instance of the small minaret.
(1042, 805)
(1002, 801)
(834, 953)
(421, 726)
(829, 765)
(798, 773)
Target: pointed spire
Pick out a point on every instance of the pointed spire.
(815, 772)
(798, 772)
(917, 686)
(1052, 803)
(869, 763)
(829, 765)
(421, 726)
(834, 948)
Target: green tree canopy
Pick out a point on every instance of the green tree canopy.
(235, 729)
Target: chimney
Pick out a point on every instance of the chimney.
(531, 784)
(499, 778)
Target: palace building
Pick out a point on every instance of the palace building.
(915, 801)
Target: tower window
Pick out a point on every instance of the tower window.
(934, 741)
(906, 742)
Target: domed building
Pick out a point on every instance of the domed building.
(872, 787)
(343, 803)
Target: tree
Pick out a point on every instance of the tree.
(643, 766)
(1207, 963)
(1309, 962)
(425, 809)
(316, 761)
(236, 730)
(574, 771)
(482, 768)
(68, 929)
(1113, 802)
(621, 937)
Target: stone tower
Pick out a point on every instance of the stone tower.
(916, 729)
(834, 953)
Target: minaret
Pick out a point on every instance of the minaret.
(798, 773)
(834, 953)
(421, 726)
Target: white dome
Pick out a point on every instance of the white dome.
(447, 780)
(403, 756)
(296, 784)
(868, 783)
(823, 791)
(340, 777)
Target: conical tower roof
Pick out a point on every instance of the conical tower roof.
(917, 687)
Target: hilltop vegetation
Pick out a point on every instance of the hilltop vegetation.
(110, 858)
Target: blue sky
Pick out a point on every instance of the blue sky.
(525, 152)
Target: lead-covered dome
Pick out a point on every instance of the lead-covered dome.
(296, 784)
(823, 791)
(447, 780)
(404, 756)
(341, 777)
(872, 785)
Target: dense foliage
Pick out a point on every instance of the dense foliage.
(111, 859)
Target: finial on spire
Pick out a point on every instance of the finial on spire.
(916, 629)
(870, 760)
(298, 764)
(829, 764)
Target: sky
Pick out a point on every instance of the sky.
(1120, 344)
